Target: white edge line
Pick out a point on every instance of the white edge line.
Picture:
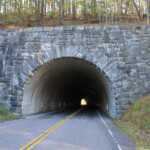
(119, 147)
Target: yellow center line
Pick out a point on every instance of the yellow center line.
(44, 136)
(46, 133)
(39, 136)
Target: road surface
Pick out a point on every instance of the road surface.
(84, 129)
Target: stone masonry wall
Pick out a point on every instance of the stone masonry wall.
(121, 52)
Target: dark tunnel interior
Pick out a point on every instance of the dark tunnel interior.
(63, 83)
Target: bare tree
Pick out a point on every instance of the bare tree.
(37, 2)
(93, 3)
(42, 9)
(69, 7)
(106, 11)
(60, 14)
(121, 10)
(111, 12)
(5, 8)
(148, 17)
(84, 9)
(73, 10)
(137, 11)
(0, 5)
(63, 9)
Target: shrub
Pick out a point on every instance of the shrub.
(12, 19)
(5, 114)
(52, 15)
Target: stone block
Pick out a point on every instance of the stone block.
(89, 27)
(98, 28)
(14, 104)
(37, 29)
(80, 28)
(68, 28)
(4, 80)
(28, 29)
(58, 28)
(47, 29)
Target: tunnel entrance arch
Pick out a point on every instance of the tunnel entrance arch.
(65, 81)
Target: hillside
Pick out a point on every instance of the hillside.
(33, 13)
(135, 123)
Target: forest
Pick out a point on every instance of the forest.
(28, 13)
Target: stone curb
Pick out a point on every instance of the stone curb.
(84, 28)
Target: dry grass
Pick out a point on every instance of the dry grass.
(135, 123)
(67, 21)
(75, 24)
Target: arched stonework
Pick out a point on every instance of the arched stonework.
(32, 64)
(35, 71)
(121, 53)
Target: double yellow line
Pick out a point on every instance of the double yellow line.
(47, 132)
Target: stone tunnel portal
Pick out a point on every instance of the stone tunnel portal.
(63, 83)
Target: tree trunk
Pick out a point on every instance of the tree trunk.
(10, 6)
(45, 9)
(148, 17)
(20, 8)
(94, 7)
(117, 10)
(5, 8)
(121, 10)
(63, 11)
(111, 12)
(60, 18)
(137, 11)
(73, 10)
(30, 5)
(42, 9)
(85, 10)
(98, 9)
(106, 11)
(69, 7)
(66, 8)
(0, 5)
(36, 11)
(93, 4)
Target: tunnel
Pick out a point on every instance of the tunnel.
(62, 83)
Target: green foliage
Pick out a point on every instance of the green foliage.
(148, 124)
(52, 14)
(115, 12)
(1, 15)
(16, 12)
(12, 19)
(5, 114)
(136, 105)
(25, 14)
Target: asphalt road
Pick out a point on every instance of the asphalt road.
(85, 130)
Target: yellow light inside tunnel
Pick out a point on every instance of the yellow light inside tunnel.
(83, 102)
